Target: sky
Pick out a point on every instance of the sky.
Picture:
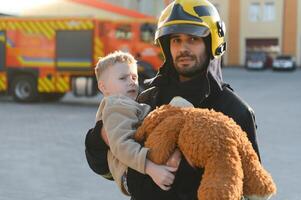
(16, 6)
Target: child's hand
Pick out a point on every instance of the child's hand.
(174, 160)
(104, 136)
(162, 175)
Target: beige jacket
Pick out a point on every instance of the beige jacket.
(121, 116)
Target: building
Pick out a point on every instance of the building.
(269, 26)
(153, 7)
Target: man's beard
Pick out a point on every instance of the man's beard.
(199, 67)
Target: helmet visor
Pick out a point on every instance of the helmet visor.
(191, 29)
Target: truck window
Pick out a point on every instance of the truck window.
(147, 32)
(123, 32)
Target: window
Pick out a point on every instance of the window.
(147, 32)
(269, 11)
(123, 32)
(254, 12)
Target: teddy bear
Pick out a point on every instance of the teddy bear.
(209, 140)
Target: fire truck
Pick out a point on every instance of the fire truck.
(46, 58)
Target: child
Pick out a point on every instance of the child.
(118, 81)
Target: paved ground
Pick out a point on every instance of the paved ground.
(42, 145)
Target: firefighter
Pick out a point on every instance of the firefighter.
(192, 38)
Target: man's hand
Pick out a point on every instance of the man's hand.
(104, 136)
(162, 175)
(175, 159)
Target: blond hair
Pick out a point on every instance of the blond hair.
(111, 59)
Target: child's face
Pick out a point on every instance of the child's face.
(121, 78)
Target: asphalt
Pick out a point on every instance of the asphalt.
(42, 145)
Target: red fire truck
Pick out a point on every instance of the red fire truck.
(51, 56)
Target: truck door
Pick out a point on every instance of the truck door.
(74, 50)
(2, 50)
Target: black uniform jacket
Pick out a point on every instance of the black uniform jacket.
(205, 91)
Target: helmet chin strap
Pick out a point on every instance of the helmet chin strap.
(207, 41)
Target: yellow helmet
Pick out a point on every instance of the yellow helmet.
(195, 17)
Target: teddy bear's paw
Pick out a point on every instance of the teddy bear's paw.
(254, 197)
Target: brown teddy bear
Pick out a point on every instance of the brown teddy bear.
(212, 141)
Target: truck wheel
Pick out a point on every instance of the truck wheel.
(24, 89)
